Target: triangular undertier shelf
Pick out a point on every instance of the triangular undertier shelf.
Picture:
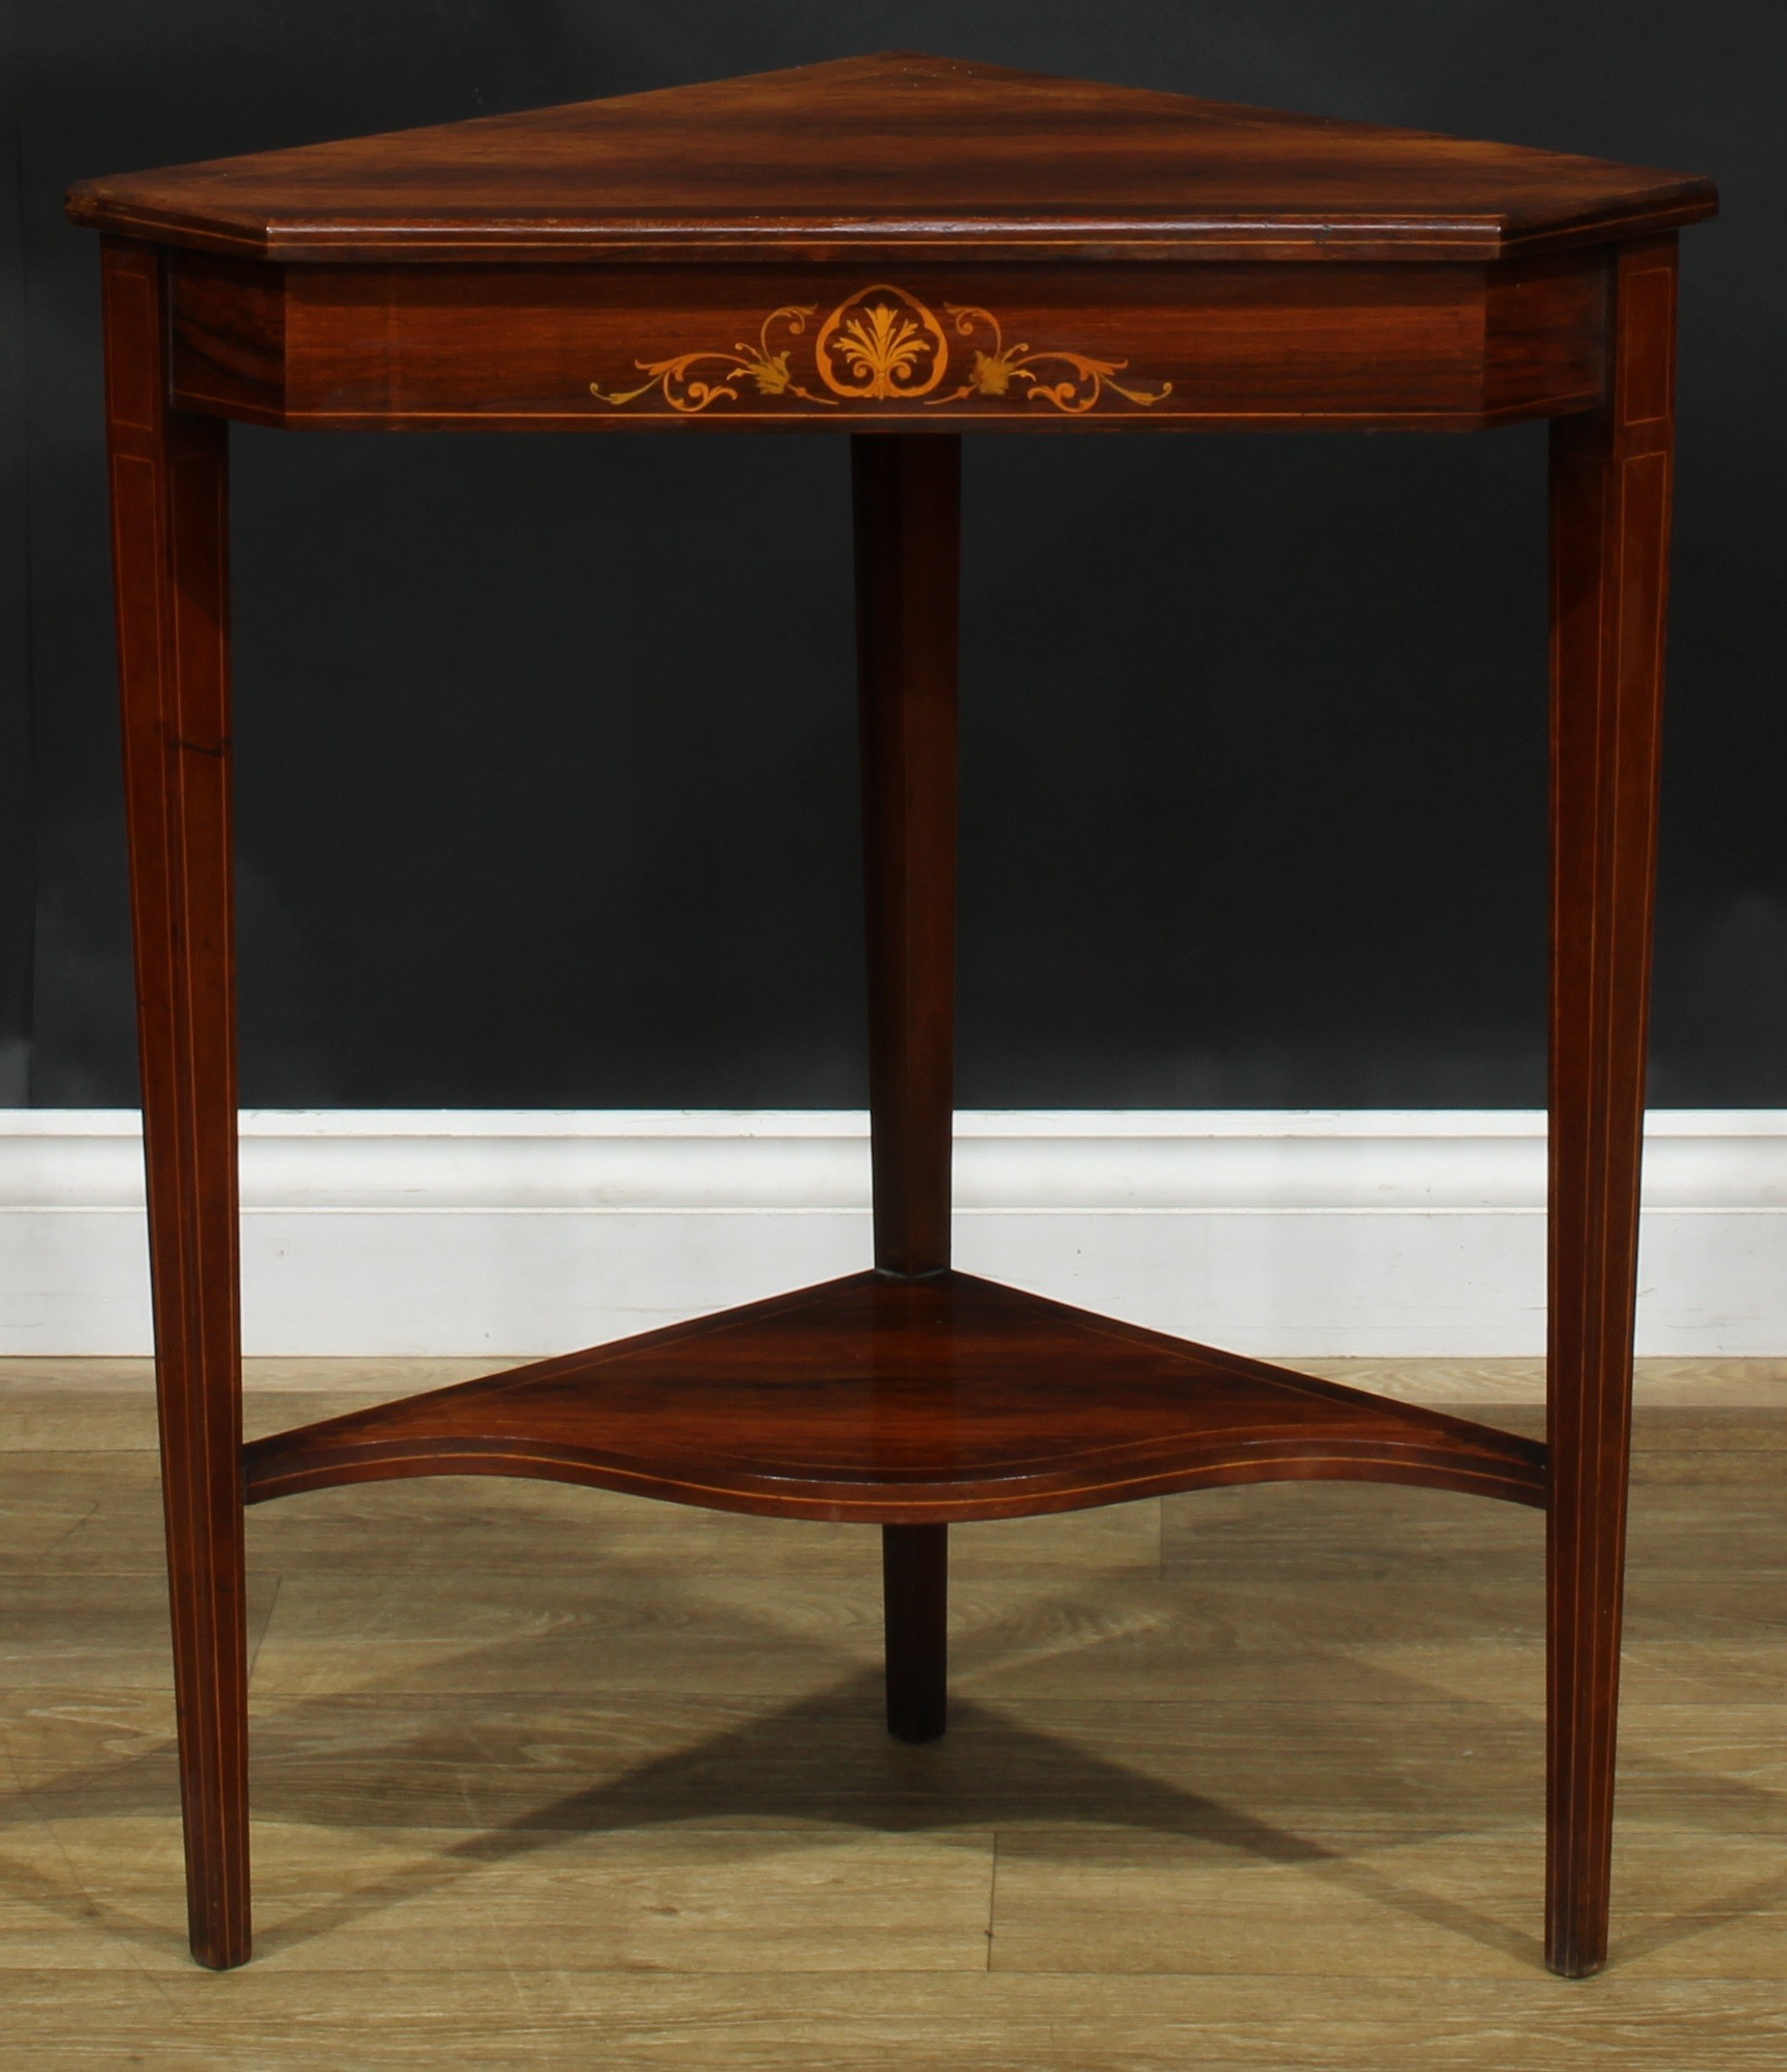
(902, 1402)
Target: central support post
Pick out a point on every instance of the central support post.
(908, 502)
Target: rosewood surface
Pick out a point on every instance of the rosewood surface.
(1611, 481)
(169, 543)
(889, 1401)
(899, 247)
(900, 156)
(906, 513)
(983, 344)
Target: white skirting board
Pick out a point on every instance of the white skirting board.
(1415, 1233)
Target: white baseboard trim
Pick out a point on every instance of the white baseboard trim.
(1416, 1233)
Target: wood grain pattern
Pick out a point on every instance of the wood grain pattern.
(1256, 347)
(899, 246)
(907, 526)
(902, 1402)
(1611, 482)
(897, 156)
(1318, 1841)
(907, 496)
(862, 2023)
(169, 509)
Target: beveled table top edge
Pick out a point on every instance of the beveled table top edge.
(485, 239)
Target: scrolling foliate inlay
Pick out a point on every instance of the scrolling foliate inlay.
(1013, 370)
(883, 345)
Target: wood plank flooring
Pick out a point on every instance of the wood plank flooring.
(549, 1777)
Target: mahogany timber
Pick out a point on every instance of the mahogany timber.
(892, 247)
(892, 1401)
(894, 159)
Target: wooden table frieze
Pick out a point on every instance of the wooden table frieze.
(552, 348)
(901, 249)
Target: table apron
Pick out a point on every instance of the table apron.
(1114, 346)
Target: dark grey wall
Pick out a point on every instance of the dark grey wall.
(546, 779)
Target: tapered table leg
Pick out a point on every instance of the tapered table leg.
(908, 502)
(169, 514)
(1611, 482)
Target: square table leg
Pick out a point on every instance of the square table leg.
(1611, 482)
(906, 493)
(170, 547)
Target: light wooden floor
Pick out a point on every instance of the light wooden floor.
(544, 1777)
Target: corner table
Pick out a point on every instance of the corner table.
(901, 248)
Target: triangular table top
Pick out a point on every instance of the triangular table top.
(893, 156)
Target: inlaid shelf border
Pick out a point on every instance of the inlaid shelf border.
(884, 344)
(877, 1400)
